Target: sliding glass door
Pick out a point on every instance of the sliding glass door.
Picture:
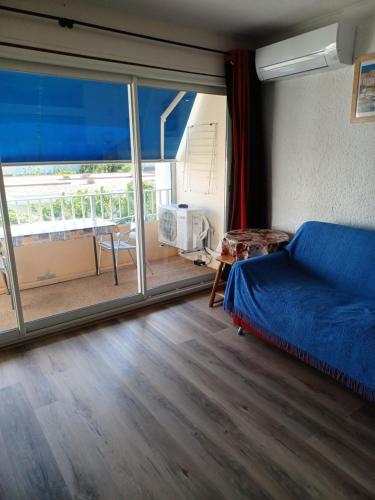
(8, 319)
(183, 182)
(69, 185)
(114, 193)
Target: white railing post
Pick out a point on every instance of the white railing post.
(17, 213)
(92, 206)
(62, 201)
(110, 207)
(83, 208)
(159, 195)
(101, 206)
(52, 210)
(29, 210)
(73, 207)
(40, 210)
(119, 207)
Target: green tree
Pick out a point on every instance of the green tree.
(65, 171)
(105, 168)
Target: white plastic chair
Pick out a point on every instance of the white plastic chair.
(122, 241)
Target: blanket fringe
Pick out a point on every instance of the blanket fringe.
(355, 386)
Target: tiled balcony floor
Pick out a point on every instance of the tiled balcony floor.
(61, 297)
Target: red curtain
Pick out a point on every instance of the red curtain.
(248, 197)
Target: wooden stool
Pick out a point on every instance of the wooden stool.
(223, 259)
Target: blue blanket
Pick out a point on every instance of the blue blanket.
(316, 299)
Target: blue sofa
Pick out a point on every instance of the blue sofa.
(314, 299)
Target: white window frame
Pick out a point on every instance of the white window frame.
(25, 61)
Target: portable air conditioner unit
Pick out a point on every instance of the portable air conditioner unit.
(325, 48)
(181, 227)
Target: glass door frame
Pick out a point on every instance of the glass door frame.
(135, 142)
(78, 317)
(208, 278)
(20, 329)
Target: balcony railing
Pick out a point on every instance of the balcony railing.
(113, 205)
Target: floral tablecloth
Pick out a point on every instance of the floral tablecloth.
(244, 243)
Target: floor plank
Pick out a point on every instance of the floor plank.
(34, 469)
(79, 453)
(169, 403)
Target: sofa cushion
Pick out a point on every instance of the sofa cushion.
(341, 256)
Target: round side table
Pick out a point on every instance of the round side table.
(241, 244)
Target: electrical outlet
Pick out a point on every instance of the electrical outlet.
(45, 277)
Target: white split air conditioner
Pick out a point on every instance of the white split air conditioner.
(183, 228)
(324, 48)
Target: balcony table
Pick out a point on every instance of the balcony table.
(60, 230)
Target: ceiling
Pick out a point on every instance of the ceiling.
(255, 19)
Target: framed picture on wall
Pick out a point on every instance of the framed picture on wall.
(363, 99)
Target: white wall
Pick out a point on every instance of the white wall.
(207, 109)
(322, 167)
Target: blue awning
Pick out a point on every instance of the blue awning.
(46, 119)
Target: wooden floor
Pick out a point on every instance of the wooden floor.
(169, 403)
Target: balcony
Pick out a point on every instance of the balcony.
(59, 275)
